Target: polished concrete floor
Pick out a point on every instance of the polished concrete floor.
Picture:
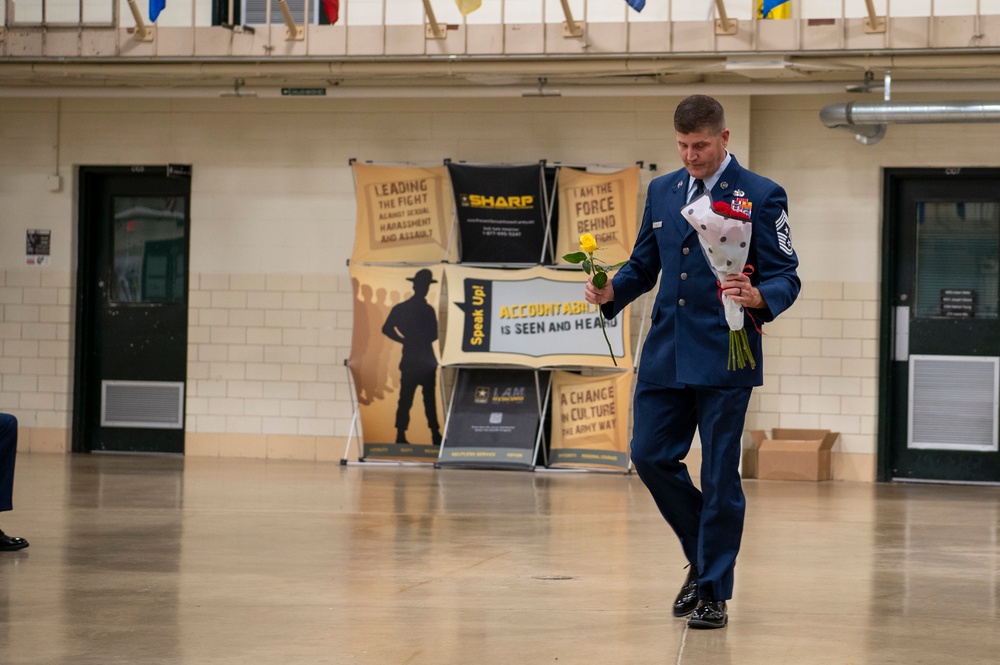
(167, 560)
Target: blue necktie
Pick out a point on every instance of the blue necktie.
(697, 190)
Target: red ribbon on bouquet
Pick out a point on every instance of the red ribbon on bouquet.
(747, 270)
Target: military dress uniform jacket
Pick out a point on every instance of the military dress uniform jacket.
(688, 341)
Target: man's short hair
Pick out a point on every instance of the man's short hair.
(699, 112)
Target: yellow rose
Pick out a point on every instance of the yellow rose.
(587, 243)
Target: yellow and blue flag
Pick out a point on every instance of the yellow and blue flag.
(774, 8)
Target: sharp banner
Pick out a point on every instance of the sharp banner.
(590, 421)
(536, 317)
(403, 214)
(500, 211)
(601, 204)
(394, 361)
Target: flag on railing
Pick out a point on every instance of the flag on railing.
(155, 7)
(636, 4)
(332, 9)
(468, 6)
(774, 8)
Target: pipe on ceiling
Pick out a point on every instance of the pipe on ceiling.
(868, 121)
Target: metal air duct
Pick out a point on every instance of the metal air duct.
(868, 120)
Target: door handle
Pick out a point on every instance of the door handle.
(901, 338)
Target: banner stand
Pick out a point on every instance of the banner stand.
(355, 420)
(543, 409)
(395, 361)
(447, 415)
(589, 420)
(487, 425)
(548, 215)
(549, 243)
(355, 435)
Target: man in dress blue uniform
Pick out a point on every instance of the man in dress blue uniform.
(8, 449)
(683, 380)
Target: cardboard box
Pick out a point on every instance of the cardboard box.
(790, 454)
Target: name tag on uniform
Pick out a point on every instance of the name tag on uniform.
(657, 225)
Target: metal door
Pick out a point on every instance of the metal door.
(941, 354)
(131, 345)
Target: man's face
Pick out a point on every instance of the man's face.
(702, 151)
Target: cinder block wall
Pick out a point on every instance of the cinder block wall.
(273, 223)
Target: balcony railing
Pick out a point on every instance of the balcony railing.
(199, 13)
(193, 28)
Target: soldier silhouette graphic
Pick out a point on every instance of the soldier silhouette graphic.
(413, 323)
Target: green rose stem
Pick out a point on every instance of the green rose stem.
(590, 264)
(600, 280)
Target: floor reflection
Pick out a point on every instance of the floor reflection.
(123, 548)
(191, 561)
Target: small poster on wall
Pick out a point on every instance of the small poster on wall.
(38, 243)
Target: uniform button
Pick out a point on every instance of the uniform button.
(686, 250)
(684, 276)
(682, 302)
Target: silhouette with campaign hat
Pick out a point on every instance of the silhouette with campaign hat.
(413, 323)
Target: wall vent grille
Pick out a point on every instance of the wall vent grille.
(151, 404)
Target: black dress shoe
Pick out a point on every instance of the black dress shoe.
(687, 599)
(709, 614)
(10, 543)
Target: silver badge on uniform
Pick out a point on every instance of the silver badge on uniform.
(657, 225)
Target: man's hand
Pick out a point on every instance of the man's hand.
(738, 288)
(596, 296)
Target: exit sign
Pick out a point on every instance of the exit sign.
(303, 92)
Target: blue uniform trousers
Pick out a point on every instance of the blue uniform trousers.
(8, 449)
(709, 521)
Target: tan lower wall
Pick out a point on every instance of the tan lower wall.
(261, 446)
(846, 466)
(265, 446)
(43, 440)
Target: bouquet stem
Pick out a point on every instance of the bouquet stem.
(739, 350)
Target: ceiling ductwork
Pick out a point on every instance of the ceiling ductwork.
(868, 121)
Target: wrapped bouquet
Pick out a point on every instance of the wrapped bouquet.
(724, 236)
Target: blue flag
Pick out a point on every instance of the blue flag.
(767, 5)
(155, 7)
(636, 4)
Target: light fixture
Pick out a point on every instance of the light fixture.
(238, 91)
(542, 91)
